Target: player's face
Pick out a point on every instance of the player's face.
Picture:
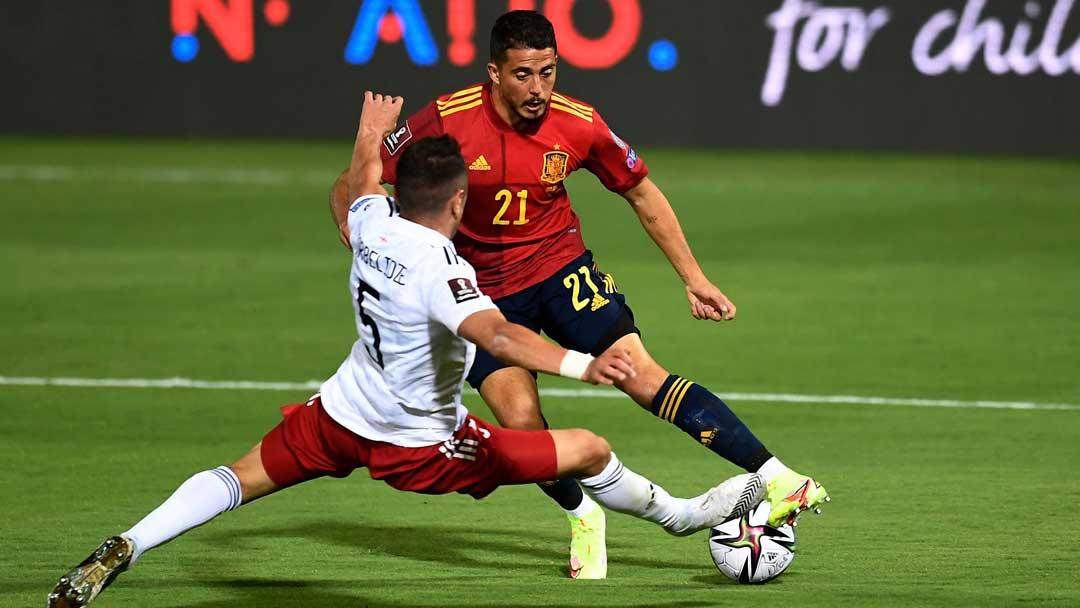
(524, 81)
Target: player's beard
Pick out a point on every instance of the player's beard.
(529, 113)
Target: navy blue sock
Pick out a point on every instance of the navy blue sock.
(566, 492)
(703, 416)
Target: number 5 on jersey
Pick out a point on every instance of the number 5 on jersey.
(373, 350)
(505, 197)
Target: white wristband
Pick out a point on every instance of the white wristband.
(574, 365)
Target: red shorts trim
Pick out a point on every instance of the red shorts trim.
(479, 458)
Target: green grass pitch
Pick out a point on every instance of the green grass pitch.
(869, 275)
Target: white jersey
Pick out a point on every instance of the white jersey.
(402, 382)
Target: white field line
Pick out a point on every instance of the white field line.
(579, 393)
(58, 173)
(163, 175)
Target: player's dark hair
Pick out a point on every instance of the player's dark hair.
(521, 30)
(428, 174)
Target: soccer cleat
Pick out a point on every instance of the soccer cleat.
(733, 498)
(82, 584)
(588, 545)
(790, 494)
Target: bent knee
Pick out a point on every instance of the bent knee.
(596, 451)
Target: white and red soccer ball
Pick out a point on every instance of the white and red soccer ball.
(749, 550)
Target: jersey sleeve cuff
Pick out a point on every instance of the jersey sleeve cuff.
(632, 183)
(463, 311)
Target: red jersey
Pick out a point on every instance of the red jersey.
(518, 228)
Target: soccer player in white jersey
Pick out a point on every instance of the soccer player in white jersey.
(394, 405)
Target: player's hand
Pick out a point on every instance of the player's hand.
(613, 365)
(708, 302)
(380, 113)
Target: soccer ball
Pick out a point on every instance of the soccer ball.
(749, 550)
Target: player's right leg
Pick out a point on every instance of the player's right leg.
(292, 452)
(201, 498)
(588, 457)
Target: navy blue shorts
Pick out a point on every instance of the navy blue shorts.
(579, 307)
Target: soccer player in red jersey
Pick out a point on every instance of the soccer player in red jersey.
(521, 140)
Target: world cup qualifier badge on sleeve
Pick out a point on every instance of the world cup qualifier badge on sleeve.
(398, 138)
(463, 290)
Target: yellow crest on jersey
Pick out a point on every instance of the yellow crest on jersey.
(555, 166)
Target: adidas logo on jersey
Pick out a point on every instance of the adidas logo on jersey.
(480, 164)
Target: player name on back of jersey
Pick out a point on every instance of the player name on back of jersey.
(388, 266)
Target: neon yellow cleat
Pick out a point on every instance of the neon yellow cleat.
(588, 545)
(790, 494)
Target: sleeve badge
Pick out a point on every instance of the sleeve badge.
(398, 138)
(463, 290)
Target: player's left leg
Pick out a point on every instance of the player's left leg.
(588, 457)
(585, 311)
(509, 456)
(705, 417)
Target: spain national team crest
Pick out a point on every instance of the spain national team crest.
(555, 165)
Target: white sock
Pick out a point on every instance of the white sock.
(201, 498)
(771, 469)
(587, 504)
(620, 489)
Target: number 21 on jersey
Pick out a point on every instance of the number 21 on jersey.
(597, 301)
(505, 197)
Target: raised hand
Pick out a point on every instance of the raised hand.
(380, 113)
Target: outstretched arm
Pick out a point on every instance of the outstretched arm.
(522, 347)
(659, 220)
(378, 117)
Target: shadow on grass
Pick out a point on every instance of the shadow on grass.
(432, 546)
(715, 578)
(275, 594)
(450, 545)
(484, 550)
